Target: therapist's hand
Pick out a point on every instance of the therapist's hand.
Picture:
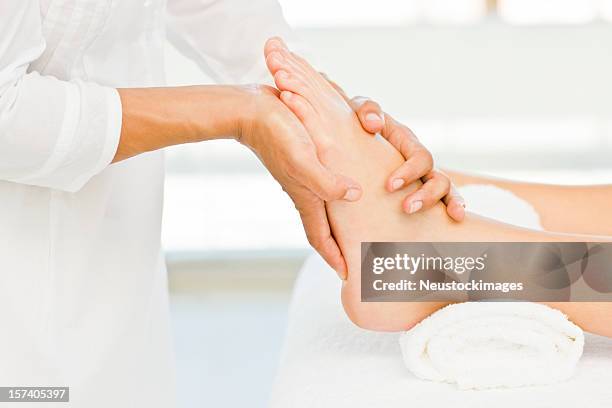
(154, 118)
(280, 141)
(419, 161)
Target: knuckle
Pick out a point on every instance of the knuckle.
(440, 180)
(404, 132)
(297, 172)
(291, 170)
(429, 198)
(300, 157)
(408, 172)
(428, 157)
(327, 151)
(401, 141)
(440, 188)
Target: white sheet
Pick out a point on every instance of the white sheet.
(328, 362)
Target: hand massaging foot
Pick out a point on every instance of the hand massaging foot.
(346, 148)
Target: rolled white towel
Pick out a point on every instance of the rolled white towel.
(495, 344)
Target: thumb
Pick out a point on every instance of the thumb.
(329, 186)
(370, 114)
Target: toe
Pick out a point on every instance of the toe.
(298, 105)
(303, 64)
(273, 44)
(275, 62)
(280, 58)
(286, 81)
(292, 64)
(310, 75)
(307, 114)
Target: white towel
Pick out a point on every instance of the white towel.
(488, 345)
(328, 362)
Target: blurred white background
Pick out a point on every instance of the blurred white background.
(511, 88)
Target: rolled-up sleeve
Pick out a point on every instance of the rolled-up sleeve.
(226, 37)
(53, 133)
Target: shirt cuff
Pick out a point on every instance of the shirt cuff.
(88, 139)
(105, 136)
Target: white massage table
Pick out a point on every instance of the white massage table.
(328, 362)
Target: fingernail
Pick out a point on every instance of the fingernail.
(415, 206)
(397, 184)
(282, 74)
(352, 194)
(373, 117)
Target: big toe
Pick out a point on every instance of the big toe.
(275, 62)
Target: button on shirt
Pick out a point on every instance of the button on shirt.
(83, 292)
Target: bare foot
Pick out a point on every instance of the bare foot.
(328, 118)
(322, 110)
(347, 149)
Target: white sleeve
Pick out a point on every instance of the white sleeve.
(53, 133)
(226, 37)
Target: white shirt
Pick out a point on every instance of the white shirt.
(83, 293)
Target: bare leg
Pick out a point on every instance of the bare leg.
(347, 149)
(561, 208)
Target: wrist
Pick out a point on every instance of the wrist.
(260, 108)
(216, 112)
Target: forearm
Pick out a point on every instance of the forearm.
(593, 317)
(154, 118)
(570, 209)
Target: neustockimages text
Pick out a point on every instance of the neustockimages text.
(425, 285)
